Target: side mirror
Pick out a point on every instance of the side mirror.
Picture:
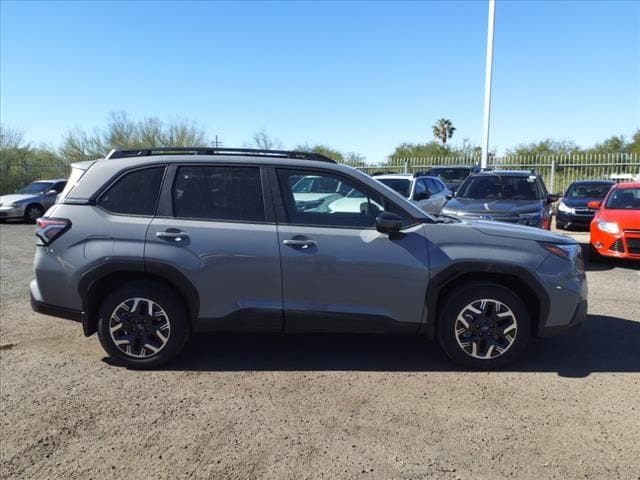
(449, 196)
(52, 192)
(388, 223)
(421, 195)
(594, 204)
(552, 198)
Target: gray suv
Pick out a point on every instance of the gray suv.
(148, 247)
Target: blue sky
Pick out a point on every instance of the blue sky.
(360, 76)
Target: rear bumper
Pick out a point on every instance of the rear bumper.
(579, 316)
(52, 310)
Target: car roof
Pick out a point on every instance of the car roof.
(405, 176)
(453, 166)
(511, 173)
(55, 180)
(593, 182)
(627, 185)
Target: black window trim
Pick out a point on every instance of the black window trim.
(95, 198)
(281, 211)
(165, 208)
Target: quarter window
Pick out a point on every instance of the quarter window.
(136, 193)
(218, 193)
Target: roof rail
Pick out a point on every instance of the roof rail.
(249, 152)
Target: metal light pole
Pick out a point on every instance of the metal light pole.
(487, 85)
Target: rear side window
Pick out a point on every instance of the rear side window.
(136, 193)
(218, 193)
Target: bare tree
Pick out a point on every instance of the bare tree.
(263, 141)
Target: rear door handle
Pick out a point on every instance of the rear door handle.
(173, 235)
(299, 243)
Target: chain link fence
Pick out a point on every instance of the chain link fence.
(14, 175)
(558, 171)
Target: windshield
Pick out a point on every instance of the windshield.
(400, 185)
(624, 199)
(450, 174)
(496, 187)
(36, 188)
(587, 190)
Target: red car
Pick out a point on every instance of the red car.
(615, 228)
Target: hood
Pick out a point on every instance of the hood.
(626, 219)
(501, 207)
(15, 197)
(578, 202)
(520, 232)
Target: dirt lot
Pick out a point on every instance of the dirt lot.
(318, 407)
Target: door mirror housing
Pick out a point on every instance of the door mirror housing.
(449, 196)
(595, 204)
(52, 192)
(388, 223)
(551, 197)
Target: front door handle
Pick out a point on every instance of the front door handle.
(173, 235)
(299, 243)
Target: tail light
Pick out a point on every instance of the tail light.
(48, 229)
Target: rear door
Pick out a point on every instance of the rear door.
(338, 272)
(215, 226)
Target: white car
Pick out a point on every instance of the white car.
(428, 193)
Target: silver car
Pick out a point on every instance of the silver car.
(31, 201)
(148, 247)
(428, 193)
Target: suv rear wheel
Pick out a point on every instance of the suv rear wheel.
(143, 325)
(483, 326)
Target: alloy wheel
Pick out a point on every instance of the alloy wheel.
(139, 327)
(486, 328)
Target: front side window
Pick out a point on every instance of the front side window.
(36, 188)
(136, 193)
(434, 186)
(347, 206)
(218, 193)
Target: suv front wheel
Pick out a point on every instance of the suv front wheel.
(483, 326)
(143, 325)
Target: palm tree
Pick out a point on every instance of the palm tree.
(443, 130)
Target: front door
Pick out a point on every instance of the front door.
(338, 272)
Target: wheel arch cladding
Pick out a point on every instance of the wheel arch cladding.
(517, 279)
(96, 284)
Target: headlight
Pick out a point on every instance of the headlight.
(567, 251)
(563, 208)
(14, 205)
(609, 227)
(532, 218)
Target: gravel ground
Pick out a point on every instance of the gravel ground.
(318, 406)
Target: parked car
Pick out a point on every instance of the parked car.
(572, 210)
(615, 228)
(454, 175)
(31, 201)
(503, 195)
(147, 248)
(428, 193)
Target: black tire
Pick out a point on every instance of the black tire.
(457, 303)
(594, 255)
(143, 332)
(33, 212)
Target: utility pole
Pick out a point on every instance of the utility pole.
(487, 85)
(217, 143)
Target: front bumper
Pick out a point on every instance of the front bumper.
(11, 212)
(579, 316)
(573, 220)
(52, 310)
